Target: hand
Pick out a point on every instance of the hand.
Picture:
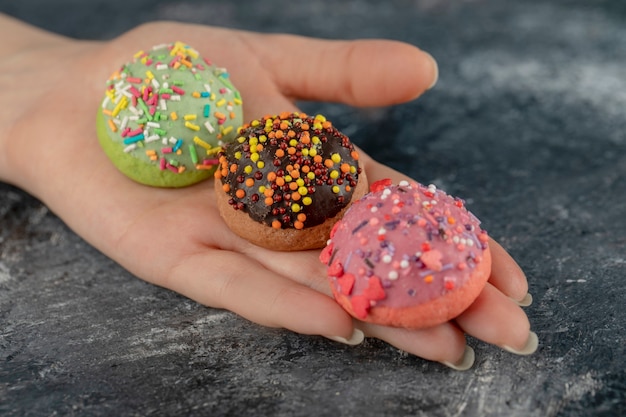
(175, 238)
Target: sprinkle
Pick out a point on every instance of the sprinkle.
(207, 110)
(193, 154)
(192, 126)
(202, 143)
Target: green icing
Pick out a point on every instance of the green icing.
(167, 124)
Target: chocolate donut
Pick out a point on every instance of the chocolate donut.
(408, 256)
(287, 179)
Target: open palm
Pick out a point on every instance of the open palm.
(175, 238)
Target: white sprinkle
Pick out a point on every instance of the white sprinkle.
(403, 183)
(393, 275)
(469, 242)
(207, 88)
(166, 84)
(374, 209)
(160, 46)
(124, 122)
(116, 121)
(173, 140)
(209, 127)
(455, 239)
(382, 231)
(106, 101)
(432, 188)
(153, 124)
(133, 118)
(175, 97)
(404, 264)
(164, 141)
(119, 85)
(387, 259)
(229, 108)
(130, 147)
(134, 110)
(152, 138)
(161, 67)
(155, 83)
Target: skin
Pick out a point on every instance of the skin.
(175, 238)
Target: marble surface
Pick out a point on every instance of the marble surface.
(527, 124)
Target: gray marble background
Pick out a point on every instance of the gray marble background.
(527, 124)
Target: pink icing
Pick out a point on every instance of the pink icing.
(403, 245)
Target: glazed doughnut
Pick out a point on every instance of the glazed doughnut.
(166, 114)
(408, 256)
(286, 180)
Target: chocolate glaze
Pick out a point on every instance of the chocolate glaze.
(310, 167)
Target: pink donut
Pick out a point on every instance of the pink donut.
(407, 255)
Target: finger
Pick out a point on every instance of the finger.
(507, 276)
(496, 319)
(359, 72)
(444, 343)
(214, 278)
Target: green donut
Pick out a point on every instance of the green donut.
(166, 115)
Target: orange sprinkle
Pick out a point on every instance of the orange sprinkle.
(295, 196)
(291, 133)
(269, 201)
(271, 176)
(233, 168)
(327, 124)
(298, 225)
(195, 94)
(240, 193)
(259, 147)
(284, 115)
(279, 153)
(301, 217)
(451, 220)
(280, 181)
(112, 125)
(276, 224)
(295, 173)
(328, 163)
(345, 168)
(279, 134)
(293, 186)
(354, 155)
(232, 115)
(226, 188)
(317, 159)
(268, 192)
(284, 125)
(428, 279)
(305, 138)
(249, 182)
(107, 112)
(306, 169)
(291, 150)
(348, 188)
(224, 172)
(218, 174)
(304, 126)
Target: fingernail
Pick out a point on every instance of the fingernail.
(530, 347)
(466, 361)
(526, 301)
(357, 338)
(436, 71)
